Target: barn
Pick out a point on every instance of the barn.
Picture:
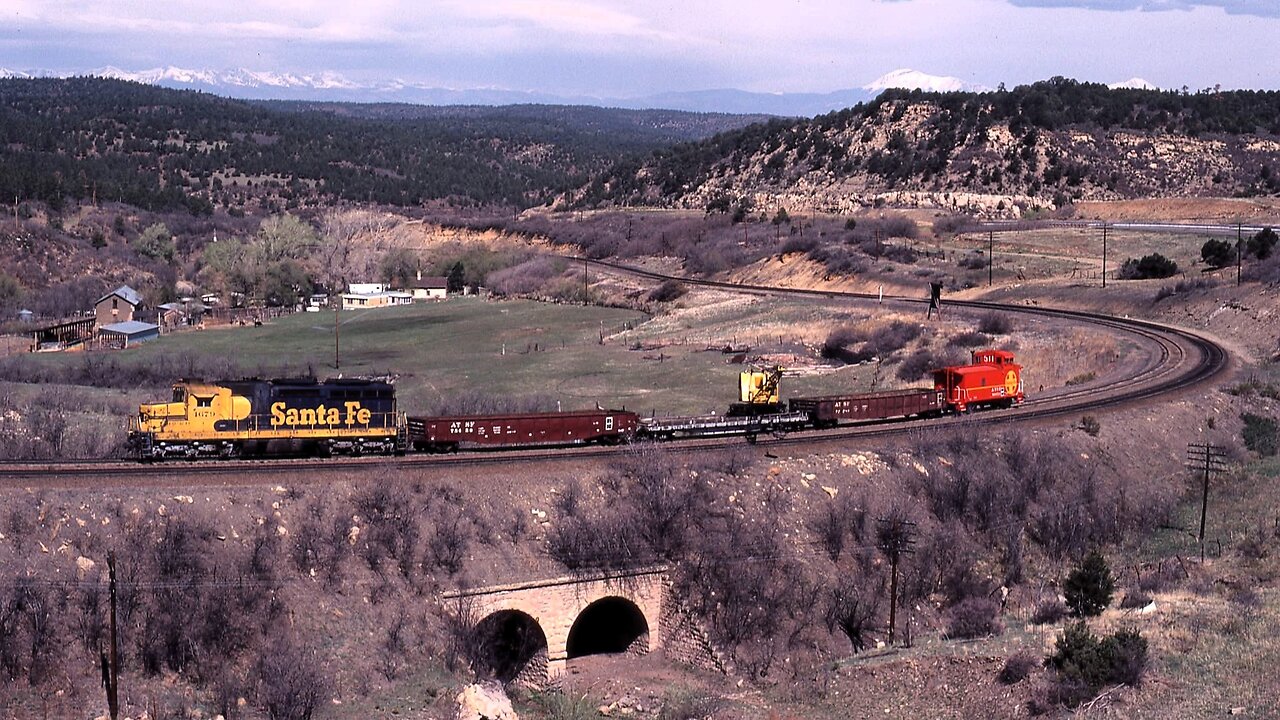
(123, 334)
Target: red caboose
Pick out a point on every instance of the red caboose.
(993, 379)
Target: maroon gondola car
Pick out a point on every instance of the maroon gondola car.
(449, 433)
(832, 409)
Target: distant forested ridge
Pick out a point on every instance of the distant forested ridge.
(166, 150)
(1037, 145)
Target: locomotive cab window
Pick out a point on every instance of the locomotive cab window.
(204, 402)
(179, 395)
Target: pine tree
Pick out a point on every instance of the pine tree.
(1089, 587)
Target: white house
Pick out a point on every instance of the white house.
(366, 288)
(431, 288)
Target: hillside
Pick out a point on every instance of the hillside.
(998, 154)
(158, 149)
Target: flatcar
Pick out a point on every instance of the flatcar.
(248, 417)
(450, 433)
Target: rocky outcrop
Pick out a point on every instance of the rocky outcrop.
(485, 701)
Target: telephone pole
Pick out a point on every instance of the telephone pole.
(1209, 459)
(1104, 255)
(894, 536)
(111, 663)
(991, 255)
(1239, 250)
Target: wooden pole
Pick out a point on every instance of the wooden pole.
(113, 675)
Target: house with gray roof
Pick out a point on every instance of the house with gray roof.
(119, 305)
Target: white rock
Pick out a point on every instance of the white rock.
(485, 701)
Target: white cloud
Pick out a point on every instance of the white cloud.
(623, 46)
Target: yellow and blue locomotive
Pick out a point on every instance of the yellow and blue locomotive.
(252, 417)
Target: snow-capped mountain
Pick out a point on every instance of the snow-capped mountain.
(239, 77)
(334, 87)
(908, 79)
(1135, 83)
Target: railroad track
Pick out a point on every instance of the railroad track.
(1178, 360)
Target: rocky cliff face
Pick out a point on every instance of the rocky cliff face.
(930, 151)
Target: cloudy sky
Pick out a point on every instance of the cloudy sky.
(627, 48)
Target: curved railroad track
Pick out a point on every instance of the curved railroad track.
(1177, 360)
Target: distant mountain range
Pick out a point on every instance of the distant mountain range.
(333, 87)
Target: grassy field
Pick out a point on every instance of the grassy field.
(577, 356)
(1077, 252)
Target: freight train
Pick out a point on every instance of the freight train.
(355, 417)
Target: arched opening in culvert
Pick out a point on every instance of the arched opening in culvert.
(510, 646)
(609, 625)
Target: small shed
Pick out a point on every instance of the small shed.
(26, 316)
(171, 315)
(123, 334)
(431, 288)
(117, 306)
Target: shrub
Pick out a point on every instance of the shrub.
(798, 244)
(155, 242)
(854, 608)
(975, 260)
(892, 337)
(668, 291)
(925, 361)
(1089, 587)
(529, 277)
(1217, 253)
(683, 704)
(969, 340)
(1185, 286)
(1017, 668)
(1259, 434)
(995, 323)
(1150, 266)
(838, 342)
(974, 617)
(952, 224)
(1082, 378)
(898, 226)
(1090, 425)
(1048, 611)
(1084, 663)
(1262, 243)
(291, 684)
(1134, 598)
